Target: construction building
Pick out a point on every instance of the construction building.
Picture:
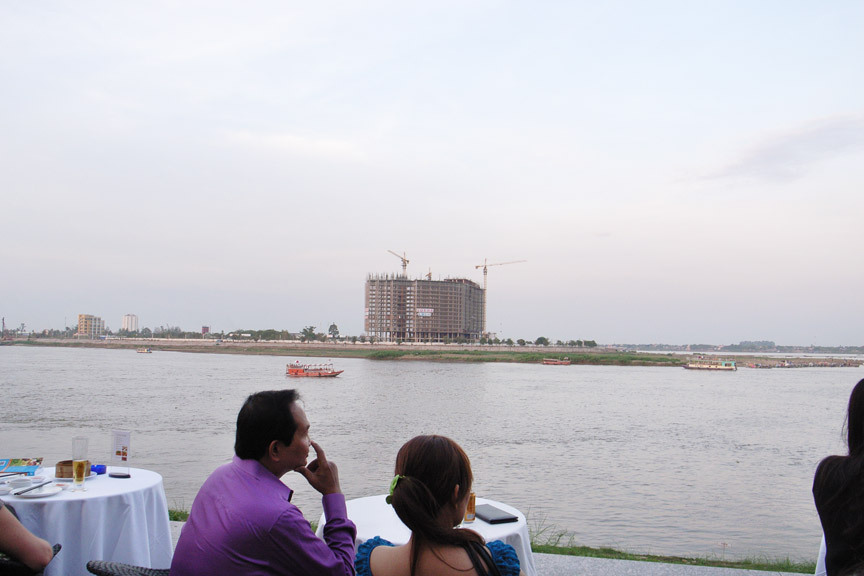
(424, 310)
(90, 326)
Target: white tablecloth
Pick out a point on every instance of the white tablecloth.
(122, 520)
(374, 517)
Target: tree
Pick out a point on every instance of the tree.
(521, 342)
(542, 341)
(590, 343)
(333, 331)
(308, 334)
(271, 334)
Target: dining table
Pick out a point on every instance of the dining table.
(115, 519)
(373, 516)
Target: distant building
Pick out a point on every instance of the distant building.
(130, 323)
(90, 326)
(401, 309)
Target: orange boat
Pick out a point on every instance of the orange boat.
(556, 362)
(297, 370)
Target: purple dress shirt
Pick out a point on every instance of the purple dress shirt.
(243, 523)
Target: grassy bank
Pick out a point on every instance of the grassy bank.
(426, 352)
(765, 564)
(785, 565)
(601, 357)
(532, 357)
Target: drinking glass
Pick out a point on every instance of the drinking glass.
(470, 509)
(79, 463)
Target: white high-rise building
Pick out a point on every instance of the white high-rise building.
(130, 323)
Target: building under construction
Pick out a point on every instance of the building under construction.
(401, 309)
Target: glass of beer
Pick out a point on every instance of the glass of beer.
(469, 510)
(79, 462)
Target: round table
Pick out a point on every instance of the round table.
(374, 517)
(116, 519)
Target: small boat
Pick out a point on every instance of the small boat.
(297, 370)
(722, 365)
(144, 351)
(556, 362)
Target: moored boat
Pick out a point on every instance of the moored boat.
(144, 351)
(556, 361)
(721, 365)
(297, 370)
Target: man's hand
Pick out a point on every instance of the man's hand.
(321, 474)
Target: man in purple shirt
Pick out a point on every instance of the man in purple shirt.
(242, 521)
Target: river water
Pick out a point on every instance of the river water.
(651, 460)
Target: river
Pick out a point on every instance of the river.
(650, 460)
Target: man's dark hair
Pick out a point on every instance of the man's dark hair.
(264, 417)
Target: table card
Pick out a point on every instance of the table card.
(120, 441)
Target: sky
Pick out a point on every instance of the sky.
(670, 172)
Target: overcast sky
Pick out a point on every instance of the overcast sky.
(676, 172)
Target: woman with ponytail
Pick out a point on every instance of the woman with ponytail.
(838, 490)
(430, 494)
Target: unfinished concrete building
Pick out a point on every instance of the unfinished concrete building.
(401, 309)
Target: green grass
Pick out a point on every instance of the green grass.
(529, 357)
(766, 564)
(443, 354)
(546, 539)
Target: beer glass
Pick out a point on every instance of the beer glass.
(79, 463)
(470, 509)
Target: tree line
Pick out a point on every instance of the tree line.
(307, 334)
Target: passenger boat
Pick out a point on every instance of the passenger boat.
(556, 362)
(297, 370)
(144, 351)
(722, 365)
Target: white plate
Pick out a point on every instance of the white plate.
(48, 490)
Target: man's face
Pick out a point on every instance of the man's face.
(298, 450)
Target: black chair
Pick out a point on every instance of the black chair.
(102, 568)
(11, 567)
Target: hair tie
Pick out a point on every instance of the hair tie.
(393, 484)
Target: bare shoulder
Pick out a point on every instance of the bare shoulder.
(390, 560)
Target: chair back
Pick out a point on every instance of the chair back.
(102, 568)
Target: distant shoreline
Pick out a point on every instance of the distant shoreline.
(431, 352)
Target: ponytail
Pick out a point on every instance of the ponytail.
(428, 469)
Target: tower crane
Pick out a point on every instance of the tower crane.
(485, 267)
(404, 261)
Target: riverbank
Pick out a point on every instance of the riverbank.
(529, 354)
